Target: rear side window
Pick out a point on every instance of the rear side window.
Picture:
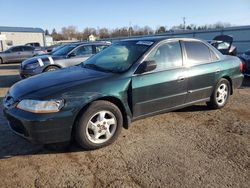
(197, 52)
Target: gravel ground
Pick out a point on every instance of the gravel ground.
(192, 147)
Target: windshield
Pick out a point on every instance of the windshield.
(64, 50)
(119, 57)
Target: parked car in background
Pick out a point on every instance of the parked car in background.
(67, 55)
(17, 54)
(34, 44)
(224, 43)
(245, 57)
(130, 80)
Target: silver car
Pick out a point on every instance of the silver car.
(17, 54)
(65, 56)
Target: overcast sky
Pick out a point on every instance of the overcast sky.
(49, 14)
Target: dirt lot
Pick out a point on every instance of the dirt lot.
(193, 147)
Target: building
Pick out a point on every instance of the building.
(49, 40)
(12, 36)
(92, 37)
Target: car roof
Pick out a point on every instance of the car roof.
(91, 43)
(21, 46)
(158, 38)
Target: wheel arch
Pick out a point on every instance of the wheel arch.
(115, 101)
(230, 82)
(52, 65)
(1, 59)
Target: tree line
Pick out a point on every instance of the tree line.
(71, 32)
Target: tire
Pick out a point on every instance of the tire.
(107, 122)
(1, 61)
(51, 68)
(220, 94)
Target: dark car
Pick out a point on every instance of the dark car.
(245, 57)
(67, 55)
(17, 54)
(129, 80)
(224, 43)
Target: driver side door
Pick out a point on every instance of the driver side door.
(163, 88)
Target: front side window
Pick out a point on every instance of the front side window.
(16, 49)
(28, 48)
(197, 52)
(167, 56)
(83, 50)
(119, 57)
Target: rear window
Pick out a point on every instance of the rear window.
(197, 52)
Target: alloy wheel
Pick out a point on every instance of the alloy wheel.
(101, 127)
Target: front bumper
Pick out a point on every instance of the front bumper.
(40, 128)
(28, 73)
(237, 81)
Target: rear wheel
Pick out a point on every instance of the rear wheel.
(1, 60)
(51, 68)
(99, 125)
(220, 95)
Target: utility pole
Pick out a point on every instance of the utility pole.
(184, 22)
(129, 29)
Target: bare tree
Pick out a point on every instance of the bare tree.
(69, 32)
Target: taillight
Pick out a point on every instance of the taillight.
(241, 66)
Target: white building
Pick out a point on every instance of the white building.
(12, 36)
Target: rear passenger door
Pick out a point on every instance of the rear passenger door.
(203, 65)
(163, 88)
(81, 53)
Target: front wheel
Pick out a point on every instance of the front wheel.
(220, 95)
(1, 60)
(51, 68)
(99, 125)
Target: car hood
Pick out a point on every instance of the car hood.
(51, 82)
(44, 58)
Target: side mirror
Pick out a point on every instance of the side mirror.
(146, 66)
(73, 54)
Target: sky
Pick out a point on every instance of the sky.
(49, 14)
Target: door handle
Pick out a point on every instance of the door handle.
(181, 78)
(217, 71)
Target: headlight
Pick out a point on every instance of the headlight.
(36, 106)
(32, 65)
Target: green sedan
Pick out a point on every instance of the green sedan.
(130, 80)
